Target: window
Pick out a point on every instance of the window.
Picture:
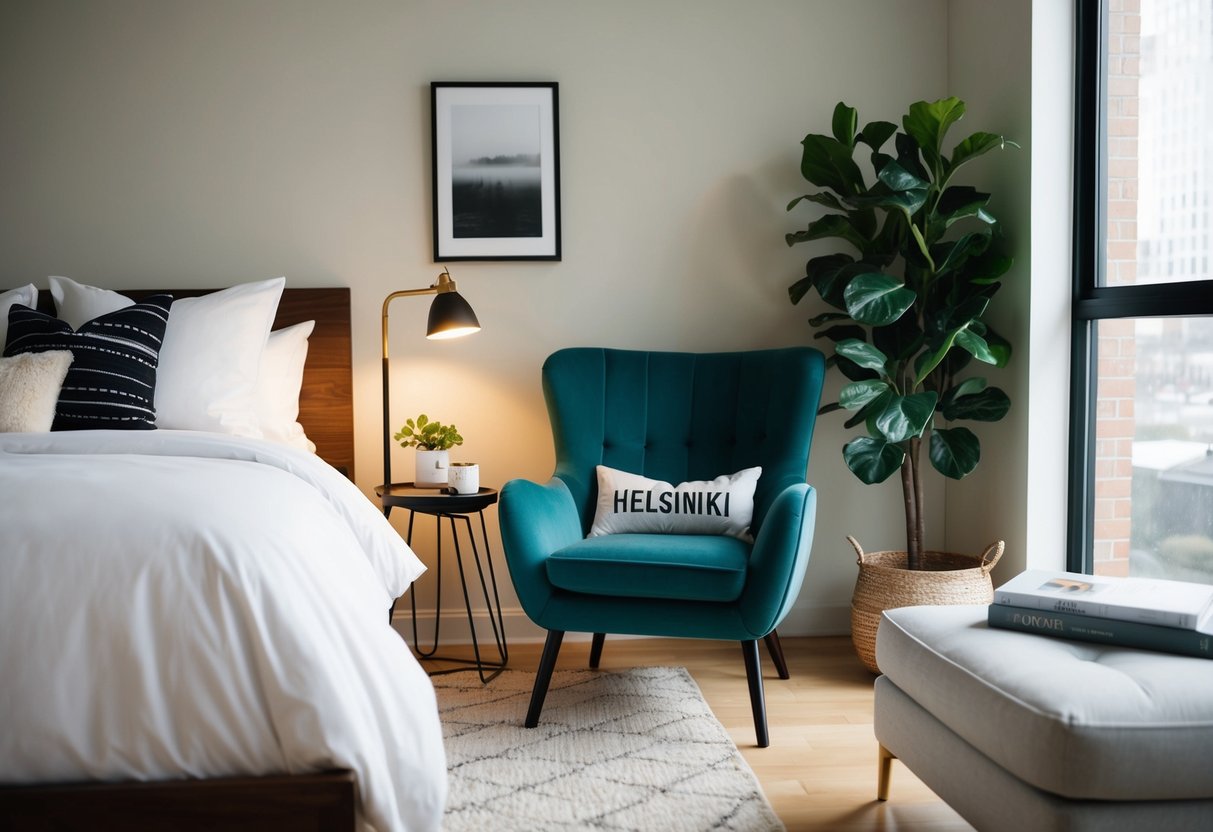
(1141, 466)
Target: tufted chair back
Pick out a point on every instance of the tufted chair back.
(682, 416)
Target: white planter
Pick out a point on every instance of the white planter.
(431, 469)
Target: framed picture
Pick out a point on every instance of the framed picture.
(496, 171)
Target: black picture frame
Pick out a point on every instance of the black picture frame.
(496, 170)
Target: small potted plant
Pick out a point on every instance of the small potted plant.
(906, 299)
(433, 441)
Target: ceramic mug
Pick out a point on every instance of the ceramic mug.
(463, 478)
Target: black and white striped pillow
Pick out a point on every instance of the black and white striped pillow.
(112, 380)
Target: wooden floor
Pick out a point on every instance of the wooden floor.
(820, 770)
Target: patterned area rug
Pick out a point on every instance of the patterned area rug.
(631, 750)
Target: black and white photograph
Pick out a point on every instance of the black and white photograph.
(496, 171)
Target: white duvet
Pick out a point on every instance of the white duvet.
(183, 604)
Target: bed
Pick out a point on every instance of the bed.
(195, 628)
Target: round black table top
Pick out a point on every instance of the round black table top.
(433, 500)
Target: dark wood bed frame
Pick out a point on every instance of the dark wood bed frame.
(323, 801)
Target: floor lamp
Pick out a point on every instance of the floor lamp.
(450, 317)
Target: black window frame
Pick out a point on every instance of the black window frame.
(1092, 302)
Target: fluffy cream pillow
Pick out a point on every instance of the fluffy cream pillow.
(29, 390)
(630, 503)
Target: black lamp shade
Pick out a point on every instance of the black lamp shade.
(450, 317)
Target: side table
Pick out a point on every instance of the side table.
(454, 508)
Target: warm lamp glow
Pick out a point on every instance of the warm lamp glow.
(456, 332)
(450, 317)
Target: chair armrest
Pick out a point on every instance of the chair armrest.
(536, 520)
(779, 559)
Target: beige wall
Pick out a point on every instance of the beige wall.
(185, 144)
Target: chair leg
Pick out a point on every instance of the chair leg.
(776, 651)
(884, 770)
(596, 650)
(547, 663)
(753, 672)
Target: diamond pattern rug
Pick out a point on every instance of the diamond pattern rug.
(631, 750)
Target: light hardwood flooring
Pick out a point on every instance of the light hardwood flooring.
(820, 770)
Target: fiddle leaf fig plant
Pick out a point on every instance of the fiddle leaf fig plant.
(907, 294)
(426, 435)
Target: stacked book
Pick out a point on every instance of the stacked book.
(1153, 614)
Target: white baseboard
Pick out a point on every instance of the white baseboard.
(809, 621)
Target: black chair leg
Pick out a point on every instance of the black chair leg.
(776, 651)
(547, 663)
(596, 650)
(753, 672)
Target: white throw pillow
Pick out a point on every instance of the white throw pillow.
(77, 304)
(25, 295)
(211, 358)
(279, 384)
(630, 503)
(29, 390)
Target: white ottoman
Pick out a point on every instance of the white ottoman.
(1017, 731)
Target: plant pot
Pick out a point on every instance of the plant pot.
(431, 467)
(885, 583)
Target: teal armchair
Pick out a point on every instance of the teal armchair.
(674, 417)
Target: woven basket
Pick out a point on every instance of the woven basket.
(884, 583)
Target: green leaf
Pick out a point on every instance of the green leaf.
(909, 156)
(850, 369)
(865, 355)
(905, 417)
(831, 225)
(829, 275)
(826, 317)
(873, 460)
(907, 202)
(928, 123)
(955, 452)
(843, 332)
(821, 198)
(975, 345)
(951, 255)
(965, 388)
(845, 120)
(958, 203)
(877, 299)
(899, 179)
(856, 394)
(876, 133)
(868, 410)
(999, 347)
(976, 145)
(989, 405)
(922, 245)
(930, 359)
(828, 164)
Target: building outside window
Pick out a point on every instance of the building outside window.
(1142, 462)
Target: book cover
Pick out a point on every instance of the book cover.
(1145, 600)
(1110, 631)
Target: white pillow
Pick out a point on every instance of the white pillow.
(29, 390)
(77, 304)
(211, 358)
(279, 384)
(630, 503)
(25, 295)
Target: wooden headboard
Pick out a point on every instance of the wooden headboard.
(326, 403)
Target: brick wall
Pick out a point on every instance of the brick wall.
(1116, 341)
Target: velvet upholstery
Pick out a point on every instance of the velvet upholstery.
(672, 417)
